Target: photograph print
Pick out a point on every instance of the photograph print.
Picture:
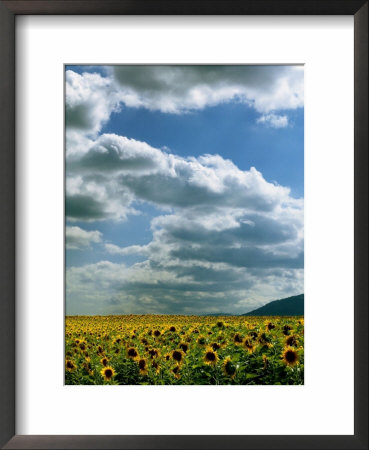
(184, 224)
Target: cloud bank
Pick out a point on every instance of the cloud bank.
(91, 98)
(224, 238)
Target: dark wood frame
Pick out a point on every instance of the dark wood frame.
(8, 11)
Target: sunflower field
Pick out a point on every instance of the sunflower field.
(187, 350)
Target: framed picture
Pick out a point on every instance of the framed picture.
(184, 224)
(186, 299)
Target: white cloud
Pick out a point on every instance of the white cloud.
(77, 238)
(130, 250)
(106, 180)
(273, 120)
(177, 89)
(225, 239)
(91, 98)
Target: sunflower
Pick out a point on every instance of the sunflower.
(215, 346)
(210, 356)
(104, 361)
(265, 341)
(132, 353)
(157, 333)
(184, 347)
(154, 353)
(201, 341)
(253, 335)
(69, 365)
(269, 325)
(88, 368)
(108, 373)
(177, 355)
(237, 338)
(176, 373)
(290, 356)
(229, 369)
(156, 366)
(291, 341)
(172, 329)
(249, 345)
(142, 364)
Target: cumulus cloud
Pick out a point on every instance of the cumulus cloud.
(222, 235)
(177, 89)
(115, 171)
(91, 98)
(273, 120)
(77, 238)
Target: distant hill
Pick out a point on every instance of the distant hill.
(290, 306)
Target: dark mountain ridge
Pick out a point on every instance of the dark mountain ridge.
(290, 306)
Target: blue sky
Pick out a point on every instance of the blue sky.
(184, 188)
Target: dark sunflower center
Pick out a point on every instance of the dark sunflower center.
(177, 355)
(248, 343)
(230, 369)
(132, 352)
(291, 356)
(210, 356)
(108, 373)
(237, 338)
(172, 329)
(70, 365)
(291, 341)
(142, 364)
